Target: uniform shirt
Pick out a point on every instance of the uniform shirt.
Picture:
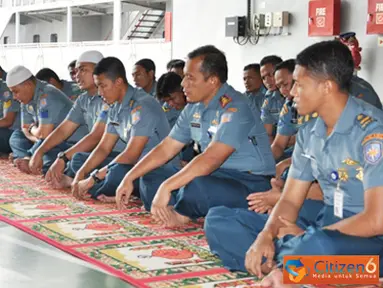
(360, 88)
(256, 99)
(138, 115)
(286, 124)
(350, 157)
(228, 119)
(49, 106)
(87, 109)
(71, 90)
(8, 104)
(271, 107)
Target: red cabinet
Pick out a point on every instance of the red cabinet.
(324, 17)
(375, 17)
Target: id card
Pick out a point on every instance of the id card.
(338, 203)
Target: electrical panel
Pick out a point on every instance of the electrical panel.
(280, 19)
(375, 17)
(324, 17)
(236, 26)
(269, 19)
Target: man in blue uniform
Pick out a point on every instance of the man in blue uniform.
(70, 89)
(144, 76)
(342, 149)
(177, 66)
(273, 102)
(361, 89)
(72, 70)
(135, 117)
(90, 110)
(255, 90)
(9, 119)
(236, 158)
(169, 91)
(43, 108)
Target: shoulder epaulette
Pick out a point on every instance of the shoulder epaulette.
(307, 118)
(364, 120)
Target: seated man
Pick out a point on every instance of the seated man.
(169, 90)
(144, 76)
(255, 90)
(89, 110)
(342, 148)
(72, 70)
(360, 88)
(135, 117)
(236, 158)
(272, 105)
(70, 89)
(9, 118)
(177, 66)
(288, 122)
(43, 108)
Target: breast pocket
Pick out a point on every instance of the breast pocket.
(196, 131)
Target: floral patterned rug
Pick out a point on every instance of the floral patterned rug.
(126, 244)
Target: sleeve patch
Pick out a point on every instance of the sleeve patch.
(44, 96)
(372, 152)
(6, 94)
(376, 136)
(165, 108)
(232, 110)
(224, 100)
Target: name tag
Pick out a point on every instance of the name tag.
(338, 203)
(196, 125)
(274, 111)
(114, 123)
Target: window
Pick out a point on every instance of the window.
(5, 40)
(36, 38)
(54, 38)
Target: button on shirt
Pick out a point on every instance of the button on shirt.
(350, 157)
(138, 114)
(271, 107)
(228, 119)
(361, 89)
(49, 106)
(8, 104)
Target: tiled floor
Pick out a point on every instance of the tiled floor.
(28, 262)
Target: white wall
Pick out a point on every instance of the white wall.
(201, 22)
(58, 58)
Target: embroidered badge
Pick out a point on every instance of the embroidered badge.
(284, 110)
(165, 108)
(226, 118)
(6, 94)
(30, 108)
(7, 104)
(224, 100)
(232, 110)
(196, 115)
(372, 152)
(44, 114)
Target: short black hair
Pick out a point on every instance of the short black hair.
(214, 62)
(168, 83)
(289, 65)
(272, 59)
(72, 64)
(176, 63)
(112, 67)
(46, 74)
(254, 67)
(147, 64)
(330, 60)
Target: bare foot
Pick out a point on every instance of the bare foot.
(10, 157)
(23, 165)
(106, 199)
(275, 280)
(177, 220)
